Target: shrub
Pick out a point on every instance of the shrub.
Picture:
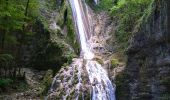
(5, 82)
(5, 59)
(105, 4)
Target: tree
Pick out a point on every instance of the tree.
(11, 18)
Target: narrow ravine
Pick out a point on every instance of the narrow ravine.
(84, 50)
(101, 86)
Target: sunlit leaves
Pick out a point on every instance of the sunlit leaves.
(127, 13)
(11, 15)
(105, 4)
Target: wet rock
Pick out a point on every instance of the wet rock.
(148, 59)
(163, 61)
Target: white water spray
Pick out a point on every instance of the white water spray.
(101, 85)
(96, 1)
(102, 88)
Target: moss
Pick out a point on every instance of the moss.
(12, 84)
(121, 86)
(71, 35)
(144, 19)
(5, 83)
(165, 83)
(69, 55)
(104, 5)
(114, 63)
(127, 14)
(46, 83)
(87, 96)
(165, 97)
(100, 61)
(50, 57)
(23, 86)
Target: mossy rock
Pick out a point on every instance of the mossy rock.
(165, 97)
(122, 86)
(46, 83)
(114, 63)
(100, 61)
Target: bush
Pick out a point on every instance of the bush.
(5, 82)
(6, 59)
(105, 4)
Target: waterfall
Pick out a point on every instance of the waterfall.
(96, 1)
(82, 25)
(101, 86)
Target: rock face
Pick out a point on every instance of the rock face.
(72, 82)
(33, 89)
(147, 74)
(54, 40)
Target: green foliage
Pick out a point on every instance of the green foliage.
(5, 59)
(51, 4)
(11, 15)
(165, 96)
(11, 39)
(144, 19)
(12, 84)
(104, 5)
(127, 13)
(99, 61)
(33, 9)
(46, 83)
(5, 82)
(114, 63)
(122, 87)
(15, 17)
(70, 55)
(71, 32)
(22, 86)
(71, 36)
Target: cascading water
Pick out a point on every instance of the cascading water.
(82, 25)
(96, 1)
(102, 88)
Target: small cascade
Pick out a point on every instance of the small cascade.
(67, 80)
(96, 1)
(101, 85)
(97, 78)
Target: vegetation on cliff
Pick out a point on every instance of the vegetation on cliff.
(36, 34)
(40, 34)
(127, 13)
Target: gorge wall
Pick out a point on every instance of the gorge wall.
(53, 42)
(146, 76)
(54, 45)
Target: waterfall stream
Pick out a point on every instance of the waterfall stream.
(101, 86)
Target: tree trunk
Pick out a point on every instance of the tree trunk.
(4, 31)
(26, 9)
(3, 41)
